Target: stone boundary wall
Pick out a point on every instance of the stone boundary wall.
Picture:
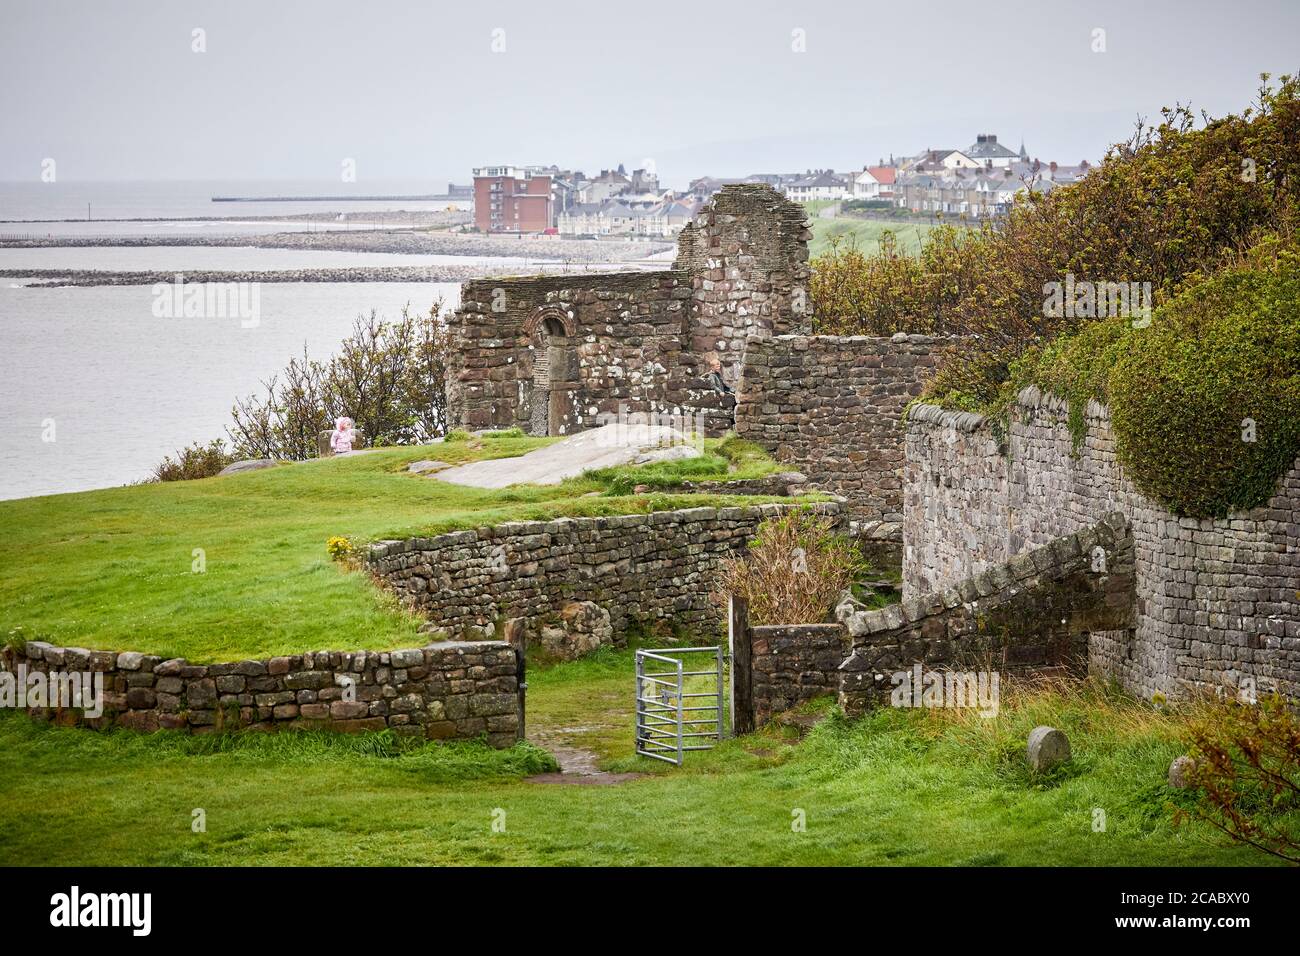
(640, 568)
(1218, 599)
(832, 407)
(793, 663)
(460, 690)
(1036, 610)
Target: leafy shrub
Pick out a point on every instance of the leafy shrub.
(858, 294)
(339, 548)
(1205, 403)
(796, 569)
(1166, 207)
(1247, 766)
(457, 434)
(15, 640)
(195, 461)
(389, 377)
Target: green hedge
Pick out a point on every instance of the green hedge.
(1205, 402)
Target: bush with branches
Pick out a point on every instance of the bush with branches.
(796, 569)
(390, 377)
(1246, 764)
(195, 461)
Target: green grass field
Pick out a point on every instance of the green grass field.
(899, 787)
(115, 569)
(865, 234)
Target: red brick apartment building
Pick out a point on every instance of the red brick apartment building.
(512, 199)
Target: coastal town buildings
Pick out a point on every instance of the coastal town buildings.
(823, 184)
(873, 182)
(614, 217)
(512, 199)
(978, 182)
(548, 199)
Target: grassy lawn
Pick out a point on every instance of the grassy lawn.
(865, 234)
(899, 787)
(114, 569)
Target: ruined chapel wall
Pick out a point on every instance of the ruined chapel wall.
(832, 407)
(747, 254)
(625, 343)
(636, 342)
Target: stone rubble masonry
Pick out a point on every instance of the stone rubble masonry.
(832, 406)
(640, 568)
(631, 342)
(1218, 599)
(453, 690)
(793, 663)
(747, 254)
(782, 484)
(1034, 611)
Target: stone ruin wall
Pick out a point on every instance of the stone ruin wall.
(832, 407)
(747, 254)
(621, 347)
(631, 342)
(444, 691)
(1218, 599)
(794, 663)
(1039, 610)
(642, 569)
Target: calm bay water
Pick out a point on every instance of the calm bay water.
(116, 387)
(224, 258)
(123, 388)
(192, 199)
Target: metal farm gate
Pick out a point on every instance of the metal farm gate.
(678, 709)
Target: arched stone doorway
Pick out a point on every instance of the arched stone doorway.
(550, 333)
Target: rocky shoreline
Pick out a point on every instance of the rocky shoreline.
(404, 242)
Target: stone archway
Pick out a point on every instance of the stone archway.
(550, 332)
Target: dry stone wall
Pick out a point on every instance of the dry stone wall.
(832, 407)
(450, 690)
(642, 569)
(1218, 599)
(793, 663)
(1036, 610)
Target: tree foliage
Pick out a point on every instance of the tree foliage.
(1169, 206)
(1246, 764)
(390, 377)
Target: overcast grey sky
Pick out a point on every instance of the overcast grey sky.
(111, 89)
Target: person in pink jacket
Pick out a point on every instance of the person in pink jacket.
(341, 440)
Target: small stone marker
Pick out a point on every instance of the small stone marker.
(1047, 748)
(1179, 772)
